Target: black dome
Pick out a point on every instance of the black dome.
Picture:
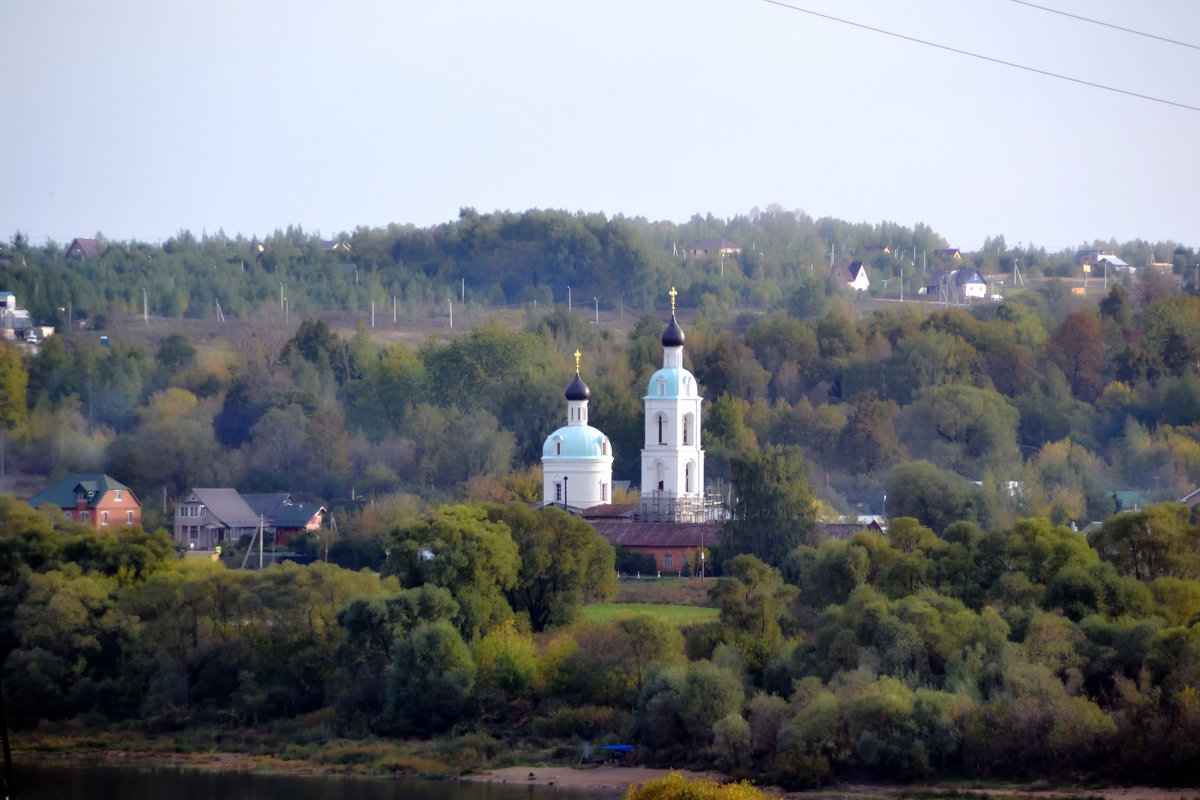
(673, 335)
(578, 390)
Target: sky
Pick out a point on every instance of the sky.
(140, 118)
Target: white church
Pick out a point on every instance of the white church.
(577, 458)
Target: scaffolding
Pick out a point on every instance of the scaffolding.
(671, 507)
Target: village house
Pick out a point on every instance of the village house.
(853, 275)
(714, 247)
(95, 500)
(210, 518)
(81, 248)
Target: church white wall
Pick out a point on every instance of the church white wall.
(588, 481)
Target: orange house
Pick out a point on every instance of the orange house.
(95, 500)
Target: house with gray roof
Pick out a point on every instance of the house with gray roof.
(209, 518)
(283, 517)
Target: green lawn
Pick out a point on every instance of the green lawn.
(677, 615)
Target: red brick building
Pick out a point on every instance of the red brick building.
(95, 500)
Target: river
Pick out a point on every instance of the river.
(63, 782)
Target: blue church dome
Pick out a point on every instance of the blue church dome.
(576, 441)
(671, 382)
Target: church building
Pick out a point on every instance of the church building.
(672, 458)
(577, 459)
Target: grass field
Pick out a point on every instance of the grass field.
(681, 616)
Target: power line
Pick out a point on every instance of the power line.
(993, 60)
(1109, 25)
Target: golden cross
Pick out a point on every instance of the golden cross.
(577, 354)
(672, 293)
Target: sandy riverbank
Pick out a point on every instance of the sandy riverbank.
(602, 777)
(617, 778)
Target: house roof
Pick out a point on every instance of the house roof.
(85, 247)
(297, 515)
(659, 534)
(848, 273)
(948, 252)
(268, 504)
(609, 511)
(1191, 498)
(227, 506)
(62, 494)
(958, 276)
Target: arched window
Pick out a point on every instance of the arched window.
(662, 428)
(658, 474)
(604, 447)
(687, 428)
(662, 386)
(687, 478)
(557, 446)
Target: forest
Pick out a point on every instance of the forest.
(1032, 610)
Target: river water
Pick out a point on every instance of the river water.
(61, 782)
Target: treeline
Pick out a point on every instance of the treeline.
(1017, 652)
(1037, 406)
(503, 258)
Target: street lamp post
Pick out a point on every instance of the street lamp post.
(568, 298)
(597, 302)
(281, 295)
(450, 302)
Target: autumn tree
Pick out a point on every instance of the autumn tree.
(773, 507)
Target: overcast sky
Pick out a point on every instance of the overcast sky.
(139, 118)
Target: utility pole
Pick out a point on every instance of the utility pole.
(451, 303)
(597, 302)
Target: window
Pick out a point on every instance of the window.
(687, 477)
(604, 447)
(67, 514)
(117, 495)
(128, 517)
(83, 516)
(557, 446)
(557, 492)
(662, 386)
(668, 560)
(103, 517)
(662, 425)
(687, 420)
(604, 492)
(193, 533)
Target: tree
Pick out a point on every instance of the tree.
(964, 429)
(934, 496)
(870, 441)
(773, 507)
(1155, 542)
(431, 677)
(1077, 348)
(459, 548)
(13, 384)
(563, 561)
(755, 606)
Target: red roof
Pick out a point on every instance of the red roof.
(84, 247)
(659, 534)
